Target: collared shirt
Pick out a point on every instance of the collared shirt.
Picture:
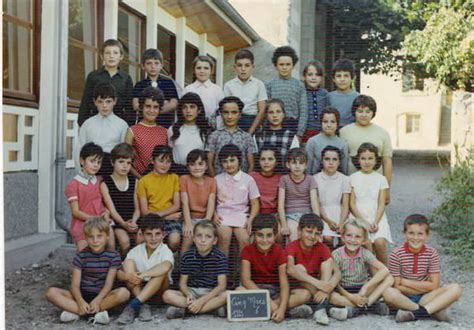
(264, 266)
(241, 139)
(355, 269)
(123, 86)
(315, 146)
(203, 270)
(210, 94)
(233, 196)
(86, 192)
(311, 259)
(168, 87)
(317, 101)
(143, 262)
(94, 268)
(249, 92)
(293, 94)
(107, 132)
(283, 139)
(414, 266)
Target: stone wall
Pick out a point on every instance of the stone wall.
(462, 126)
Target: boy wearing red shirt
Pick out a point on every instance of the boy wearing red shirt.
(263, 265)
(310, 264)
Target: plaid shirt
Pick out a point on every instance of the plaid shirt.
(281, 139)
(317, 101)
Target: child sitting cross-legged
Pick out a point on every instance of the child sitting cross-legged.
(311, 265)
(93, 274)
(417, 292)
(263, 265)
(146, 269)
(202, 284)
(363, 278)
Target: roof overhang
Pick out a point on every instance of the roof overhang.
(223, 25)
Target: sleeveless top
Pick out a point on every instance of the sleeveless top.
(123, 200)
(145, 138)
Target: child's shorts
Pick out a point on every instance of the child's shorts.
(88, 296)
(172, 227)
(274, 291)
(199, 292)
(415, 297)
(294, 216)
(353, 289)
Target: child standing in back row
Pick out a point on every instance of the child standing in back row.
(152, 63)
(210, 93)
(288, 89)
(313, 74)
(111, 53)
(369, 191)
(249, 89)
(343, 73)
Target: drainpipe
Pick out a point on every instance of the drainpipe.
(61, 106)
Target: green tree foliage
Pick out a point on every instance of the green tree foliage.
(445, 47)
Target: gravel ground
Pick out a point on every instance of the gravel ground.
(412, 192)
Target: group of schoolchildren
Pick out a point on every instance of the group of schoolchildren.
(176, 178)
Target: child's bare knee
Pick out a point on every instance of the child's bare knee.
(167, 296)
(390, 294)
(51, 293)
(455, 288)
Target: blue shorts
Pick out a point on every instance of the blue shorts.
(415, 297)
(353, 289)
(172, 227)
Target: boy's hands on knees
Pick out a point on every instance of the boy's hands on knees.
(320, 296)
(134, 278)
(325, 287)
(196, 306)
(278, 315)
(83, 307)
(94, 306)
(248, 226)
(189, 299)
(174, 216)
(334, 226)
(358, 300)
(188, 230)
(284, 230)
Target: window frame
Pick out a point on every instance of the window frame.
(133, 12)
(172, 47)
(412, 118)
(73, 104)
(196, 52)
(23, 99)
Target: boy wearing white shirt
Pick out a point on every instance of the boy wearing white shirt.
(146, 269)
(105, 128)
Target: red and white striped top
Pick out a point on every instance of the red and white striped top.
(414, 266)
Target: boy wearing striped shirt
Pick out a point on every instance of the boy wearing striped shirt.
(417, 292)
(203, 280)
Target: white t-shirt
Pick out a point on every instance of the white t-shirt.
(189, 139)
(139, 255)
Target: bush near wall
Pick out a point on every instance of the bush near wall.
(454, 217)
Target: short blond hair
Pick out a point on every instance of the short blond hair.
(98, 223)
(358, 224)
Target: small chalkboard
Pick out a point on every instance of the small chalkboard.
(249, 305)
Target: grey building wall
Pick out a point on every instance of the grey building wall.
(20, 204)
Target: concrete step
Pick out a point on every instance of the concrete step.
(30, 249)
(422, 156)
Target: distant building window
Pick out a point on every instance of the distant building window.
(85, 36)
(131, 33)
(190, 53)
(21, 60)
(413, 123)
(411, 82)
(167, 46)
